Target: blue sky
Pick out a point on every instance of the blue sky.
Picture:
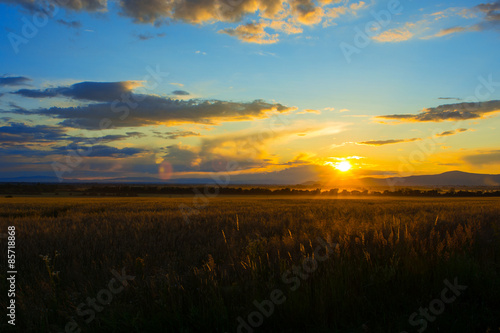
(231, 69)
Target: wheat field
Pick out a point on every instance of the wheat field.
(386, 258)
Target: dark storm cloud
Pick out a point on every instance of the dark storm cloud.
(13, 80)
(449, 112)
(93, 91)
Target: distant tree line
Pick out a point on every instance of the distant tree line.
(10, 189)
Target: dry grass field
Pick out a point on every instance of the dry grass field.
(385, 259)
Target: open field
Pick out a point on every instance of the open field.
(199, 266)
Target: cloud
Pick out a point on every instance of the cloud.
(449, 112)
(491, 13)
(446, 133)
(154, 110)
(14, 80)
(198, 11)
(306, 11)
(36, 147)
(147, 36)
(483, 158)
(385, 142)
(176, 134)
(82, 151)
(92, 91)
(24, 151)
(248, 149)
(283, 16)
(101, 151)
(264, 54)
(394, 35)
(70, 24)
(453, 30)
(305, 111)
(489, 21)
(252, 33)
(455, 98)
(48, 6)
(180, 92)
(286, 27)
(108, 138)
(183, 158)
(429, 25)
(19, 132)
(131, 110)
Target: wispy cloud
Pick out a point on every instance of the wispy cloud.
(430, 25)
(14, 80)
(305, 111)
(396, 35)
(455, 98)
(453, 132)
(180, 93)
(449, 112)
(252, 33)
(147, 36)
(385, 142)
(70, 24)
(175, 134)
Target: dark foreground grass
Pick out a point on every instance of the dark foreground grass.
(387, 258)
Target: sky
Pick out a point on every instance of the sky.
(251, 90)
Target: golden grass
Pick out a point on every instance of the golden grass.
(392, 257)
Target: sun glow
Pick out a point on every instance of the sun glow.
(343, 166)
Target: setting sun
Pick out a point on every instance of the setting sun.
(343, 166)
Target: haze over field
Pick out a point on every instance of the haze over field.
(300, 90)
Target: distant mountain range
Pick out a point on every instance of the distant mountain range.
(451, 178)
